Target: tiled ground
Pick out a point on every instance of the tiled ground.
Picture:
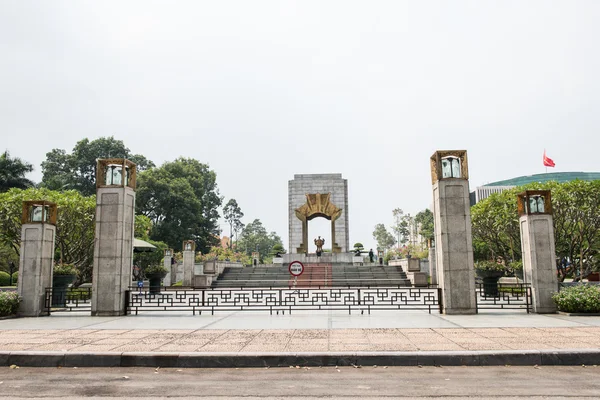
(300, 340)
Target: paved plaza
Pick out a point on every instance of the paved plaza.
(321, 332)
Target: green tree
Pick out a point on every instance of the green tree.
(576, 216)
(233, 215)
(142, 227)
(254, 237)
(12, 172)
(401, 225)
(424, 219)
(75, 226)
(62, 171)
(182, 200)
(384, 239)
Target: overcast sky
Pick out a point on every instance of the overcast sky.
(263, 90)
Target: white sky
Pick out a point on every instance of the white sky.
(263, 90)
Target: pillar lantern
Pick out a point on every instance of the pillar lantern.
(538, 248)
(38, 232)
(189, 258)
(169, 279)
(113, 247)
(452, 225)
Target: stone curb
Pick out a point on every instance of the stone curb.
(306, 359)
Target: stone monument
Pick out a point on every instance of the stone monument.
(318, 195)
(319, 243)
(453, 241)
(537, 244)
(113, 245)
(38, 232)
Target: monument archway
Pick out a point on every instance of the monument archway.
(318, 195)
(318, 205)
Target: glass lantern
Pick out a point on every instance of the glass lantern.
(450, 167)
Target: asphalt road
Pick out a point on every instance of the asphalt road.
(303, 383)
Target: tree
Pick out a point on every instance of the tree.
(576, 216)
(62, 171)
(12, 172)
(401, 225)
(75, 226)
(424, 220)
(254, 237)
(233, 215)
(384, 239)
(182, 200)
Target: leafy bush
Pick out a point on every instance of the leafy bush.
(578, 299)
(15, 277)
(155, 270)
(489, 266)
(65, 269)
(9, 303)
(4, 278)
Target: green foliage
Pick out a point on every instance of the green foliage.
(64, 269)
(384, 239)
(180, 283)
(181, 198)
(576, 217)
(15, 277)
(9, 303)
(4, 278)
(222, 254)
(12, 172)
(77, 170)
(400, 228)
(8, 256)
(278, 249)
(75, 226)
(233, 215)
(155, 270)
(578, 299)
(489, 266)
(358, 247)
(424, 219)
(145, 258)
(142, 227)
(254, 237)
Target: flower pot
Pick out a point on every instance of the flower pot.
(154, 281)
(490, 286)
(60, 284)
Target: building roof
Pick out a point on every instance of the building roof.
(552, 176)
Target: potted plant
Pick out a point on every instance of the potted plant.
(490, 272)
(62, 276)
(516, 267)
(155, 274)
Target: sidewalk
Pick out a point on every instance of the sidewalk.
(319, 338)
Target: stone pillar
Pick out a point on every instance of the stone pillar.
(168, 279)
(432, 265)
(38, 231)
(113, 246)
(189, 256)
(453, 242)
(537, 244)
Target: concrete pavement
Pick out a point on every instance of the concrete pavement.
(317, 338)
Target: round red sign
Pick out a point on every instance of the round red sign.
(296, 268)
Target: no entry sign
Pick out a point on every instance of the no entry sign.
(296, 268)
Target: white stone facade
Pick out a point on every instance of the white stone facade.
(304, 184)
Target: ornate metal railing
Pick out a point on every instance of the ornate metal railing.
(280, 300)
(68, 299)
(503, 296)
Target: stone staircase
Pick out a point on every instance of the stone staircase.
(315, 275)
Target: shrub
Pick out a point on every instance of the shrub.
(4, 278)
(155, 270)
(65, 269)
(9, 303)
(578, 299)
(15, 277)
(489, 266)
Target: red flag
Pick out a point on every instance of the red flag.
(548, 162)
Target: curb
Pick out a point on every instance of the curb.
(308, 359)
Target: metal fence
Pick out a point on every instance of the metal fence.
(280, 300)
(503, 296)
(67, 300)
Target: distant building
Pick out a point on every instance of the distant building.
(483, 192)
(225, 242)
